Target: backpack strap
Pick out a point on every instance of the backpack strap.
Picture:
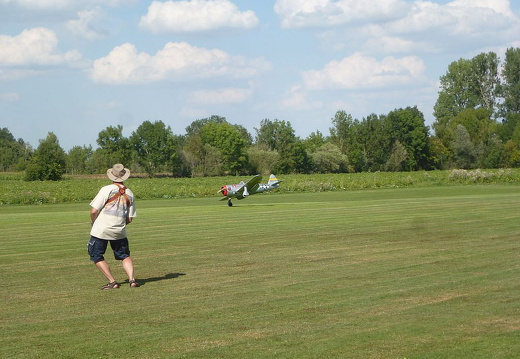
(121, 192)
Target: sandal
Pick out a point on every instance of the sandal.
(112, 285)
(133, 284)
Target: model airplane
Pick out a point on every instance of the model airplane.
(243, 189)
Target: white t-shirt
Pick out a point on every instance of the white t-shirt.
(111, 221)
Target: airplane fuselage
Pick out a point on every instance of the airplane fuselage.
(230, 190)
(243, 189)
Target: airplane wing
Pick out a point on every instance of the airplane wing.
(250, 187)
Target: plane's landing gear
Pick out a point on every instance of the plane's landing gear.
(229, 203)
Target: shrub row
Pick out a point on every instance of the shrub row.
(13, 190)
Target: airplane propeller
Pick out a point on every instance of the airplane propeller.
(223, 190)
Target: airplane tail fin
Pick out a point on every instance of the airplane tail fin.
(273, 181)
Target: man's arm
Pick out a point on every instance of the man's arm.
(94, 213)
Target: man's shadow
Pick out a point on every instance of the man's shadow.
(143, 281)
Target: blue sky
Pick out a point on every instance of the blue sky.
(76, 67)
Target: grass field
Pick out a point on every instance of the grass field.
(387, 273)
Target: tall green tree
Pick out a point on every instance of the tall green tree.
(482, 132)
(179, 165)
(197, 125)
(478, 122)
(376, 144)
(465, 152)
(314, 141)
(48, 161)
(467, 84)
(77, 159)
(511, 81)
(398, 158)
(493, 154)
(407, 127)
(214, 147)
(276, 135)
(470, 96)
(13, 153)
(441, 154)
(457, 91)
(153, 144)
(279, 136)
(342, 133)
(346, 134)
(229, 140)
(511, 156)
(114, 147)
(296, 159)
(202, 159)
(486, 80)
(508, 126)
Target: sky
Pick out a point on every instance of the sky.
(75, 68)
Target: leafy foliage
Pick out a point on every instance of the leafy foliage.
(511, 83)
(48, 161)
(114, 147)
(407, 129)
(153, 144)
(467, 84)
(262, 160)
(13, 153)
(465, 152)
(77, 159)
(229, 141)
(329, 159)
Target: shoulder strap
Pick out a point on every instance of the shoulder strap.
(121, 192)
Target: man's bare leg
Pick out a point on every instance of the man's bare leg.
(128, 266)
(105, 269)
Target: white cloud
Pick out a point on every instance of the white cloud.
(88, 25)
(38, 4)
(390, 26)
(228, 95)
(124, 65)
(459, 17)
(196, 15)
(498, 6)
(418, 14)
(37, 46)
(325, 13)
(358, 72)
(62, 4)
(298, 99)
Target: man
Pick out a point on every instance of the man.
(112, 209)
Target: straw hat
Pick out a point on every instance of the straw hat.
(118, 173)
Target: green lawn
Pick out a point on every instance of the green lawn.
(387, 273)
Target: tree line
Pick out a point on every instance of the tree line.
(477, 116)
